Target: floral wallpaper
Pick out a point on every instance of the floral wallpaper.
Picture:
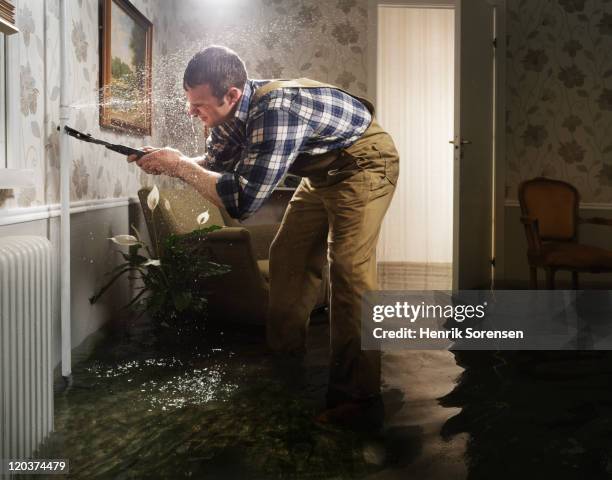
(96, 173)
(325, 40)
(285, 38)
(559, 94)
(320, 39)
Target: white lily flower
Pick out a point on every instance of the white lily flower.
(166, 204)
(125, 240)
(152, 262)
(203, 217)
(153, 198)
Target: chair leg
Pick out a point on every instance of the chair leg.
(533, 278)
(550, 278)
(575, 280)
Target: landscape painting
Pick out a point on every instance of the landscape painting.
(125, 73)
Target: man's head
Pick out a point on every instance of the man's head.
(213, 81)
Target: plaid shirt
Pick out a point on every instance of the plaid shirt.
(257, 146)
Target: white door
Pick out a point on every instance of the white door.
(415, 102)
(473, 144)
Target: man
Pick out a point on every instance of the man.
(260, 130)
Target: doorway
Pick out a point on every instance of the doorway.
(415, 102)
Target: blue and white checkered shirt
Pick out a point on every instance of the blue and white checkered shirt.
(258, 145)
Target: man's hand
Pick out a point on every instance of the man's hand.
(169, 161)
(159, 161)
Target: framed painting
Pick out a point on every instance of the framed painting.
(126, 38)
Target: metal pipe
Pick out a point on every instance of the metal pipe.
(65, 165)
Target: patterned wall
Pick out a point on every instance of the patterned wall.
(323, 40)
(96, 173)
(284, 38)
(277, 38)
(559, 94)
(559, 90)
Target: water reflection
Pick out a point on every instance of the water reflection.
(214, 408)
(221, 407)
(534, 414)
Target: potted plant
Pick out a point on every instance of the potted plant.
(171, 288)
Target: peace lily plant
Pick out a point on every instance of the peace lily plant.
(171, 286)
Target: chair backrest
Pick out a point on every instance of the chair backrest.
(177, 213)
(240, 295)
(554, 204)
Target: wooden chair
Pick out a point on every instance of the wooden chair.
(549, 211)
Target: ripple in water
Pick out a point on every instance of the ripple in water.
(197, 387)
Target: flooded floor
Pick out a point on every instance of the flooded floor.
(220, 407)
(223, 408)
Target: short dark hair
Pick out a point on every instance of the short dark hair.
(217, 66)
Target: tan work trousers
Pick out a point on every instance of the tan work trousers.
(336, 214)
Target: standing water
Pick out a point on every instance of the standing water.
(216, 408)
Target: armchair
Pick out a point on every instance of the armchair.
(550, 216)
(240, 296)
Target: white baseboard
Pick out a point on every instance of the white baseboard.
(29, 214)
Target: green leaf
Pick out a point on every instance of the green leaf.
(117, 268)
(134, 259)
(182, 300)
(136, 298)
(94, 298)
(133, 249)
(138, 235)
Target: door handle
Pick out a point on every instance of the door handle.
(462, 142)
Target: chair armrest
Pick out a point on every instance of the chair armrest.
(228, 245)
(225, 235)
(597, 221)
(261, 238)
(230, 234)
(532, 232)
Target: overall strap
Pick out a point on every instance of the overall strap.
(304, 83)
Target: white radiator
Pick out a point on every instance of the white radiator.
(26, 373)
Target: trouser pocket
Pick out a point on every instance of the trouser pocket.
(389, 162)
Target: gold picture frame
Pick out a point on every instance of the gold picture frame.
(126, 41)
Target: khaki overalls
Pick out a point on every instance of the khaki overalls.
(336, 212)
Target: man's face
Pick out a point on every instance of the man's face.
(211, 110)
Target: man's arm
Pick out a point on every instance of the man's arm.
(203, 180)
(169, 161)
(200, 172)
(275, 137)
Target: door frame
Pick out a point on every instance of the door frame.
(499, 102)
(499, 139)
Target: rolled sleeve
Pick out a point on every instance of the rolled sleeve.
(274, 140)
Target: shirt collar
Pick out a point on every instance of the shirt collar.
(242, 110)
